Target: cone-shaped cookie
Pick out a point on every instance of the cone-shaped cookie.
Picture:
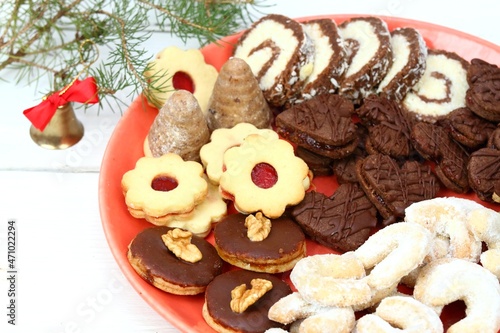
(180, 127)
(237, 98)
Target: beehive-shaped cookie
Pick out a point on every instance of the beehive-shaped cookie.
(180, 127)
(237, 98)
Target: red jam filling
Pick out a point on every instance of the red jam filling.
(163, 183)
(264, 175)
(183, 81)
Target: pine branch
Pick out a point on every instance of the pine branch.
(61, 39)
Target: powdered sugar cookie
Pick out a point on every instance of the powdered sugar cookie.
(263, 175)
(160, 188)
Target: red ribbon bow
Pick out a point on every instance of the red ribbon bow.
(79, 91)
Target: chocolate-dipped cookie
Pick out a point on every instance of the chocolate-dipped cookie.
(278, 251)
(483, 95)
(341, 222)
(484, 174)
(223, 299)
(434, 144)
(156, 263)
(320, 165)
(322, 125)
(369, 55)
(392, 187)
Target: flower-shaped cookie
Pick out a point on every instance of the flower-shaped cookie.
(222, 139)
(172, 63)
(161, 188)
(211, 210)
(263, 175)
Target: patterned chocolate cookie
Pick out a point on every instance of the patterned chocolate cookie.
(342, 222)
(392, 188)
(388, 126)
(442, 87)
(494, 139)
(484, 173)
(467, 128)
(330, 60)
(322, 125)
(344, 169)
(318, 164)
(369, 53)
(409, 57)
(280, 55)
(483, 96)
(434, 144)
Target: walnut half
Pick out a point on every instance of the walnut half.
(179, 242)
(258, 227)
(242, 298)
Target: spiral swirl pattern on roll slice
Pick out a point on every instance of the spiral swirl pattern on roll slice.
(369, 53)
(442, 87)
(280, 55)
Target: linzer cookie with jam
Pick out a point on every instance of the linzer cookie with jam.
(441, 89)
(410, 53)
(239, 300)
(369, 54)
(256, 243)
(341, 222)
(330, 60)
(434, 144)
(322, 125)
(483, 93)
(484, 174)
(280, 54)
(174, 260)
(392, 187)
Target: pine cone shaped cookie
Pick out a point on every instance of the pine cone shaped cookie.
(237, 98)
(180, 127)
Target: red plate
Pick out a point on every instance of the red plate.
(126, 144)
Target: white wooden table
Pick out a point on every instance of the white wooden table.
(67, 279)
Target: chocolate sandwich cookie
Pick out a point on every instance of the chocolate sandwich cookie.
(280, 54)
(341, 222)
(221, 309)
(442, 87)
(434, 144)
(484, 174)
(156, 263)
(369, 54)
(388, 127)
(483, 95)
(277, 252)
(318, 164)
(410, 53)
(322, 125)
(330, 60)
(467, 128)
(392, 187)
(494, 139)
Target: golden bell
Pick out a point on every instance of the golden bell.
(63, 131)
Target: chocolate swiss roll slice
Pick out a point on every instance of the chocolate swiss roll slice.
(280, 55)
(409, 54)
(441, 89)
(330, 60)
(369, 54)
